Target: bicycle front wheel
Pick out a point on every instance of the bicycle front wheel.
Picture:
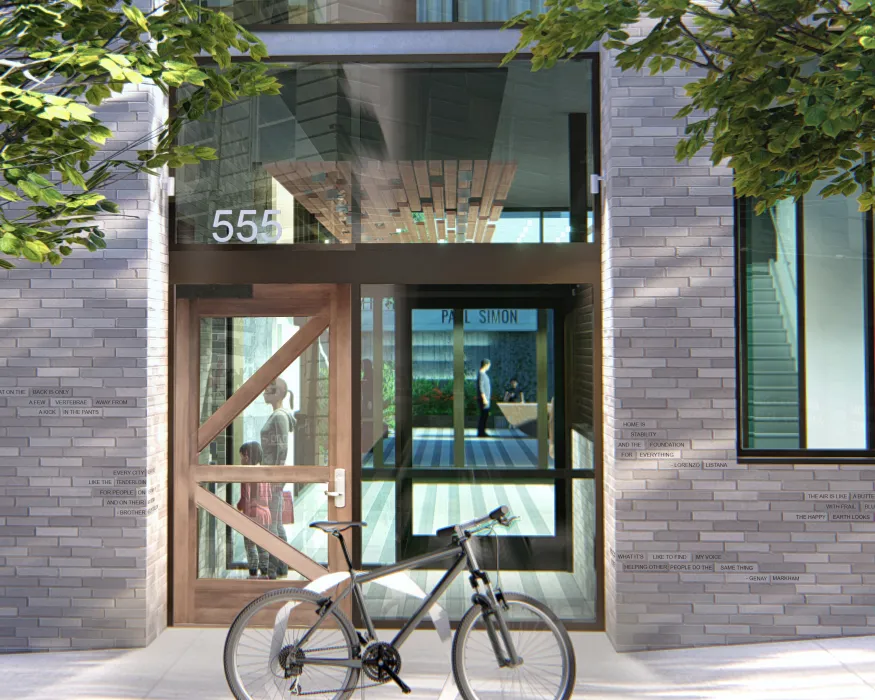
(265, 659)
(547, 669)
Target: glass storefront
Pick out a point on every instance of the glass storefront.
(285, 12)
(393, 153)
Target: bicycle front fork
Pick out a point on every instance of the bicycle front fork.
(493, 606)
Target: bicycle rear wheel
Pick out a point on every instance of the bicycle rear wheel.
(264, 658)
(547, 671)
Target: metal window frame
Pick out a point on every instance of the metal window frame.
(801, 455)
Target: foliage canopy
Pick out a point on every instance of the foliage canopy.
(61, 59)
(783, 89)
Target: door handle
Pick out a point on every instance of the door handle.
(339, 493)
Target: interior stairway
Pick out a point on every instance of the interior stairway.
(773, 379)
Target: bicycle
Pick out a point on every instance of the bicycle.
(320, 654)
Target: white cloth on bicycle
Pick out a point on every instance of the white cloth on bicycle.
(399, 581)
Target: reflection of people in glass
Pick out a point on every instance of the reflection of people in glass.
(484, 397)
(275, 445)
(254, 503)
(514, 393)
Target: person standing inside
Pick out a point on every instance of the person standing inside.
(275, 446)
(514, 393)
(484, 397)
(254, 503)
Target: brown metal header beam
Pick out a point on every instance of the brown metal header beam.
(415, 263)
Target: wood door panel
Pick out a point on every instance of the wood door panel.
(218, 601)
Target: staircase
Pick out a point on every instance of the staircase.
(772, 376)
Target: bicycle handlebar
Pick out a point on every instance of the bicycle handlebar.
(499, 515)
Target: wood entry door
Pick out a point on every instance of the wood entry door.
(262, 434)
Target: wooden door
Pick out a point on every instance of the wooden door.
(232, 356)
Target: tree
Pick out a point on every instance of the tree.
(62, 59)
(785, 88)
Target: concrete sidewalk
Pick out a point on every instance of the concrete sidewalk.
(187, 663)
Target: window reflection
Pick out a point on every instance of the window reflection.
(385, 153)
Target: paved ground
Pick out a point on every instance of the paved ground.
(186, 663)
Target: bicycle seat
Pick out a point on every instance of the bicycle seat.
(336, 526)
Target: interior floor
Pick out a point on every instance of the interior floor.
(505, 448)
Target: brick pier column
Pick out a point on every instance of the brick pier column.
(76, 571)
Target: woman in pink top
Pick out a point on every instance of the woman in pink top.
(254, 503)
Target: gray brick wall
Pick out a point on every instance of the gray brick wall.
(74, 573)
(669, 366)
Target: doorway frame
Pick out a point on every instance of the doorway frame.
(238, 267)
(405, 473)
(329, 307)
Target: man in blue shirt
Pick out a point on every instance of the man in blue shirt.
(484, 397)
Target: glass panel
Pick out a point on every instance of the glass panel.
(570, 593)
(772, 347)
(286, 510)
(382, 153)
(557, 227)
(378, 377)
(433, 388)
(506, 369)
(518, 227)
(582, 448)
(835, 322)
(290, 419)
(259, 12)
(378, 511)
(438, 505)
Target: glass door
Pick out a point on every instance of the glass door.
(261, 385)
(483, 388)
(471, 388)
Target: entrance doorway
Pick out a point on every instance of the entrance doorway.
(262, 447)
(380, 404)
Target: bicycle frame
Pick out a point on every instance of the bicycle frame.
(464, 558)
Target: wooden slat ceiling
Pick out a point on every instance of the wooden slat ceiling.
(402, 201)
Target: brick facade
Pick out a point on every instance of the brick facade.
(670, 368)
(74, 573)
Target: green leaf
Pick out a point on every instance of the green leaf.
(816, 116)
(29, 189)
(9, 195)
(79, 112)
(30, 100)
(54, 112)
(112, 68)
(134, 14)
(30, 253)
(195, 76)
(10, 245)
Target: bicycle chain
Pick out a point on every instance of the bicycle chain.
(337, 690)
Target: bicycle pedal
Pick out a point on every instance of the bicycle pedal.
(401, 684)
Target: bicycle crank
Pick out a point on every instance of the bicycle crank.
(381, 663)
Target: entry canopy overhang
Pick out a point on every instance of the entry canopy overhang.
(450, 201)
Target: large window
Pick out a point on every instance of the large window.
(284, 12)
(806, 324)
(359, 153)
(433, 454)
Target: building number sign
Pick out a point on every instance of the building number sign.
(248, 227)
